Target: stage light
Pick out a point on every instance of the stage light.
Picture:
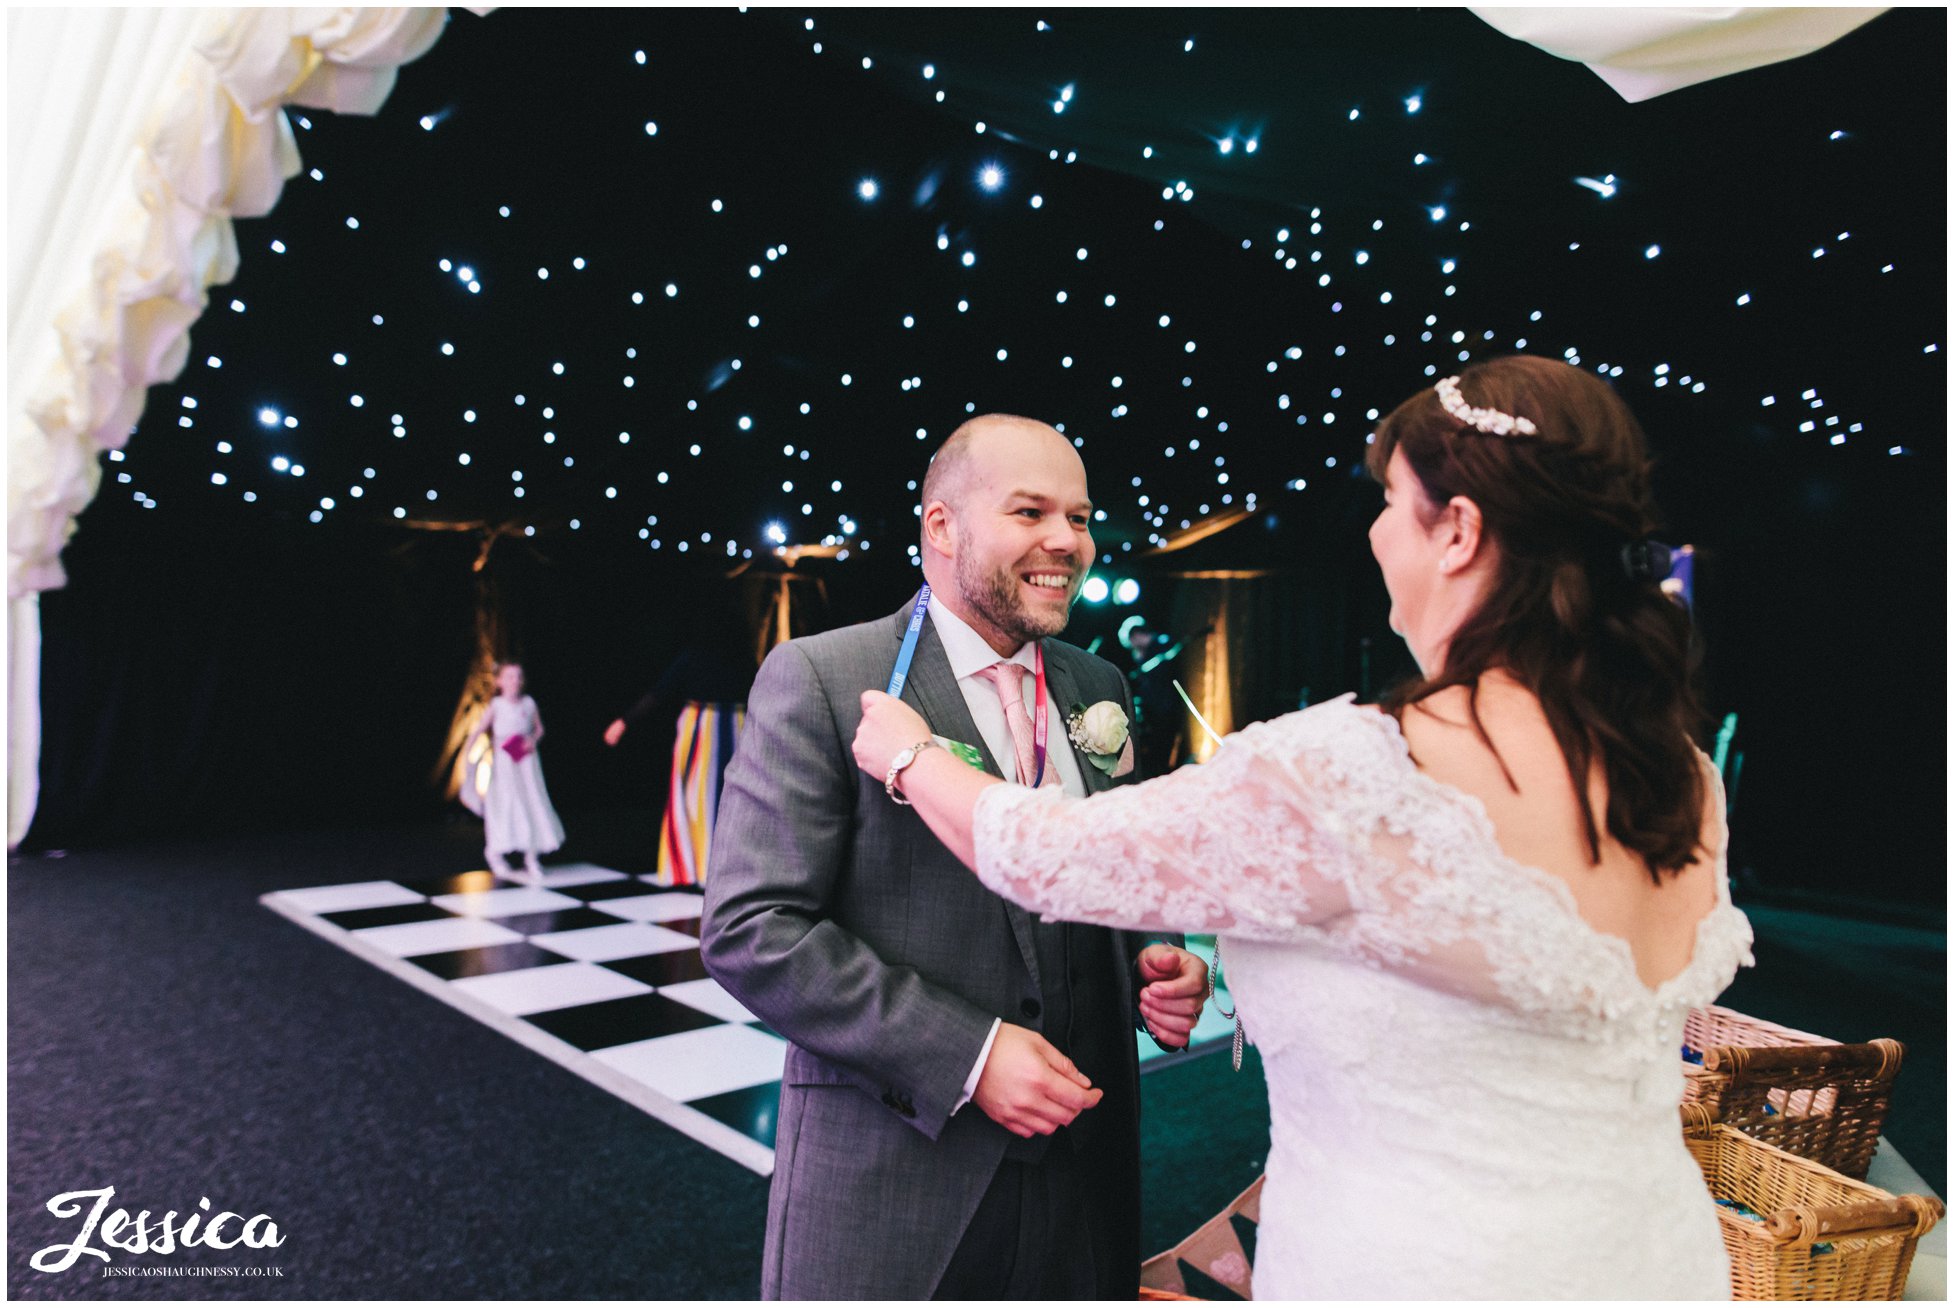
(867, 188)
(990, 177)
(1127, 592)
(1095, 590)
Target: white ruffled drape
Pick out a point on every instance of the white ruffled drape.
(1643, 53)
(135, 137)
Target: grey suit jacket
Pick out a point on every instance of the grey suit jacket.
(846, 926)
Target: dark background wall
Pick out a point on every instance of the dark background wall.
(238, 676)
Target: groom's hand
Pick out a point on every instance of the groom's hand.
(1174, 985)
(1028, 1087)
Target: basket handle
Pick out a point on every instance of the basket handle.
(1698, 1119)
(1879, 1058)
(1907, 1214)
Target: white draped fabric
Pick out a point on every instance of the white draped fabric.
(135, 136)
(1643, 53)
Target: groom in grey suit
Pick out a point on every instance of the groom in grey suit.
(959, 1116)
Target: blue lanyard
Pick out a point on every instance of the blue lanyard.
(907, 655)
(909, 639)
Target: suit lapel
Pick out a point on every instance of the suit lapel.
(1063, 686)
(1062, 682)
(932, 691)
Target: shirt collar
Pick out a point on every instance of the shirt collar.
(968, 652)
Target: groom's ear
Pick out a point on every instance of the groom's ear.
(939, 528)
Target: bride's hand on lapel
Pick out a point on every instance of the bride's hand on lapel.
(888, 727)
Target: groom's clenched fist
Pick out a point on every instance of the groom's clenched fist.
(1173, 986)
(1028, 1087)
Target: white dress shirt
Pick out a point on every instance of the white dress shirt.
(969, 654)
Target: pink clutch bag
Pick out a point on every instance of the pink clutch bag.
(517, 747)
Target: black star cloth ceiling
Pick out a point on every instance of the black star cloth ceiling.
(667, 287)
(687, 260)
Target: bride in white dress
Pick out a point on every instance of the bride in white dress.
(1463, 929)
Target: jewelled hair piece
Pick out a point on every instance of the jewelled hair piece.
(1490, 421)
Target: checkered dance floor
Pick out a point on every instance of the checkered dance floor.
(593, 969)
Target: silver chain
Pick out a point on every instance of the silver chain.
(1214, 970)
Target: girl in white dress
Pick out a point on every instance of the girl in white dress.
(1464, 927)
(516, 812)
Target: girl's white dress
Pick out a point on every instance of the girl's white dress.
(516, 811)
(1471, 1092)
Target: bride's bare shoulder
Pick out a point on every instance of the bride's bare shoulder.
(1441, 726)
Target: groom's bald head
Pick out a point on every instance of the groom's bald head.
(949, 471)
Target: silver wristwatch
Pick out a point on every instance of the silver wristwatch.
(901, 761)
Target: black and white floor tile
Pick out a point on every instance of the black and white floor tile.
(595, 970)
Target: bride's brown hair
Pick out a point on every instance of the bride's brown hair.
(1608, 655)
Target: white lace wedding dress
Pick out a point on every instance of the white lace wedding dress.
(1471, 1092)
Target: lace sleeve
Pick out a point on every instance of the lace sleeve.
(1248, 844)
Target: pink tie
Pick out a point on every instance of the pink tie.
(1008, 677)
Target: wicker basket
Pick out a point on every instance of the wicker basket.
(1824, 1236)
(1812, 1096)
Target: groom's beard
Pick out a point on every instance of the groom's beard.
(998, 598)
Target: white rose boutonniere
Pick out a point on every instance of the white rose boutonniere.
(1102, 735)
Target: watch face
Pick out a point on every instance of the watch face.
(904, 759)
